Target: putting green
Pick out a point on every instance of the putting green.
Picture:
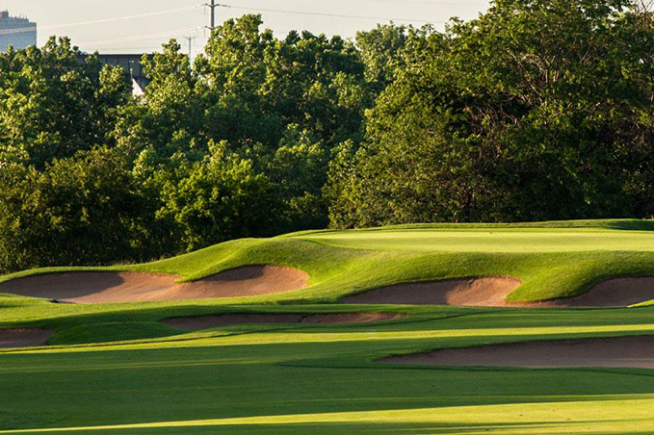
(116, 369)
(491, 240)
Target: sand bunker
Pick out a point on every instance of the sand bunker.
(24, 337)
(634, 352)
(206, 322)
(474, 292)
(492, 292)
(618, 292)
(118, 287)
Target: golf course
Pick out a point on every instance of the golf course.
(539, 328)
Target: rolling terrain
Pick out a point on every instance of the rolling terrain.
(401, 330)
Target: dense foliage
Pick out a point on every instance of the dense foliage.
(538, 109)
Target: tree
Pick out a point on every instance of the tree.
(381, 52)
(52, 105)
(533, 111)
(220, 198)
(83, 210)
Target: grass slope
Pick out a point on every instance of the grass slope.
(113, 369)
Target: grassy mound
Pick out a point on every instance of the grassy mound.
(553, 260)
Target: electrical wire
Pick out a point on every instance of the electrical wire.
(228, 6)
(415, 2)
(101, 21)
(246, 8)
(321, 14)
(141, 37)
(124, 18)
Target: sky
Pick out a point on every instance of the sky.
(137, 26)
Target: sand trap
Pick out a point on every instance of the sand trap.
(206, 322)
(24, 337)
(634, 352)
(118, 287)
(473, 292)
(492, 292)
(618, 292)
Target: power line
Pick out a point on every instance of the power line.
(140, 37)
(416, 2)
(321, 14)
(124, 18)
(102, 21)
(213, 6)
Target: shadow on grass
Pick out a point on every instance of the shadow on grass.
(75, 325)
(632, 225)
(348, 428)
(115, 323)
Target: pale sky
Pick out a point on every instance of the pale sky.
(130, 26)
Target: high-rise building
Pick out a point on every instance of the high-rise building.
(16, 31)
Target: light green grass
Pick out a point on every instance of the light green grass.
(492, 240)
(114, 369)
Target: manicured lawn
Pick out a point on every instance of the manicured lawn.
(274, 381)
(491, 240)
(114, 369)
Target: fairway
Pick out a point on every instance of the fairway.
(306, 360)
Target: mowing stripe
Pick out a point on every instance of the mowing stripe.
(606, 417)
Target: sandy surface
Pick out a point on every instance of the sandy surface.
(492, 292)
(206, 322)
(118, 287)
(636, 352)
(474, 292)
(24, 337)
(618, 292)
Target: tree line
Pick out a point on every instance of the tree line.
(536, 110)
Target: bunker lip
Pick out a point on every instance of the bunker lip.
(473, 292)
(128, 287)
(618, 352)
(24, 337)
(206, 322)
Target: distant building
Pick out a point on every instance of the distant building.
(16, 31)
(131, 64)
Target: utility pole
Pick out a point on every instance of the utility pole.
(213, 6)
(213, 14)
(190, 40)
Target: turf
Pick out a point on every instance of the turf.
(114, 369)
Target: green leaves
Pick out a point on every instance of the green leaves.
(219, 199)
(520, 114)
(52, 105)
(77, 211)
(538, 109)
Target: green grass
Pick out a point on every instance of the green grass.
(491, 240)
(114, 369)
